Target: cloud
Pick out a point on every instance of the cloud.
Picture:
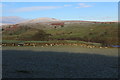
(67, 5)
(82, 5)
(35, 8)
(11, 19)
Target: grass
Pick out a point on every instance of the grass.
(23, 71)
(59, 62)
(11, 41)
(107, 33)
(67, 48)
(103, 31)
(54, 41)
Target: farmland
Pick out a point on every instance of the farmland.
(59, 62)
(60, 39)
(67, 49)
(105, 34)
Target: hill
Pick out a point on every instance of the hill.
(43, 19)
(105, 33)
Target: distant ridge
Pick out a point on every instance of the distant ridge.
(43, 19)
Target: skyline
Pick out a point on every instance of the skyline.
(88, 11)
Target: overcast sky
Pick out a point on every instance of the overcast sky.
(95, 11)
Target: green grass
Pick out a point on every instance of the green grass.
(96, 33)
(70, 49)
(11, 41)
(55, 41)
(83, 30)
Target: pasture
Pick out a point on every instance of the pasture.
(59, 62)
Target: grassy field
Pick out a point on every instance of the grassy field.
(105, 34)
(70, 49)
(59, 62)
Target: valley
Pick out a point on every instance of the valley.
(50, 29)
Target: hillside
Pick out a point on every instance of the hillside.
(105, 33)
(43, 19)
(101, 33)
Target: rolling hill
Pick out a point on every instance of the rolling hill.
(41, 20)
(105, 33)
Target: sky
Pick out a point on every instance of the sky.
(60, 0)
(90, 11)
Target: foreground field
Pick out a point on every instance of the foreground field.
(59, 62)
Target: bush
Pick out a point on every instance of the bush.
(40, 35)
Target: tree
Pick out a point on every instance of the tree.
(40, 35)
